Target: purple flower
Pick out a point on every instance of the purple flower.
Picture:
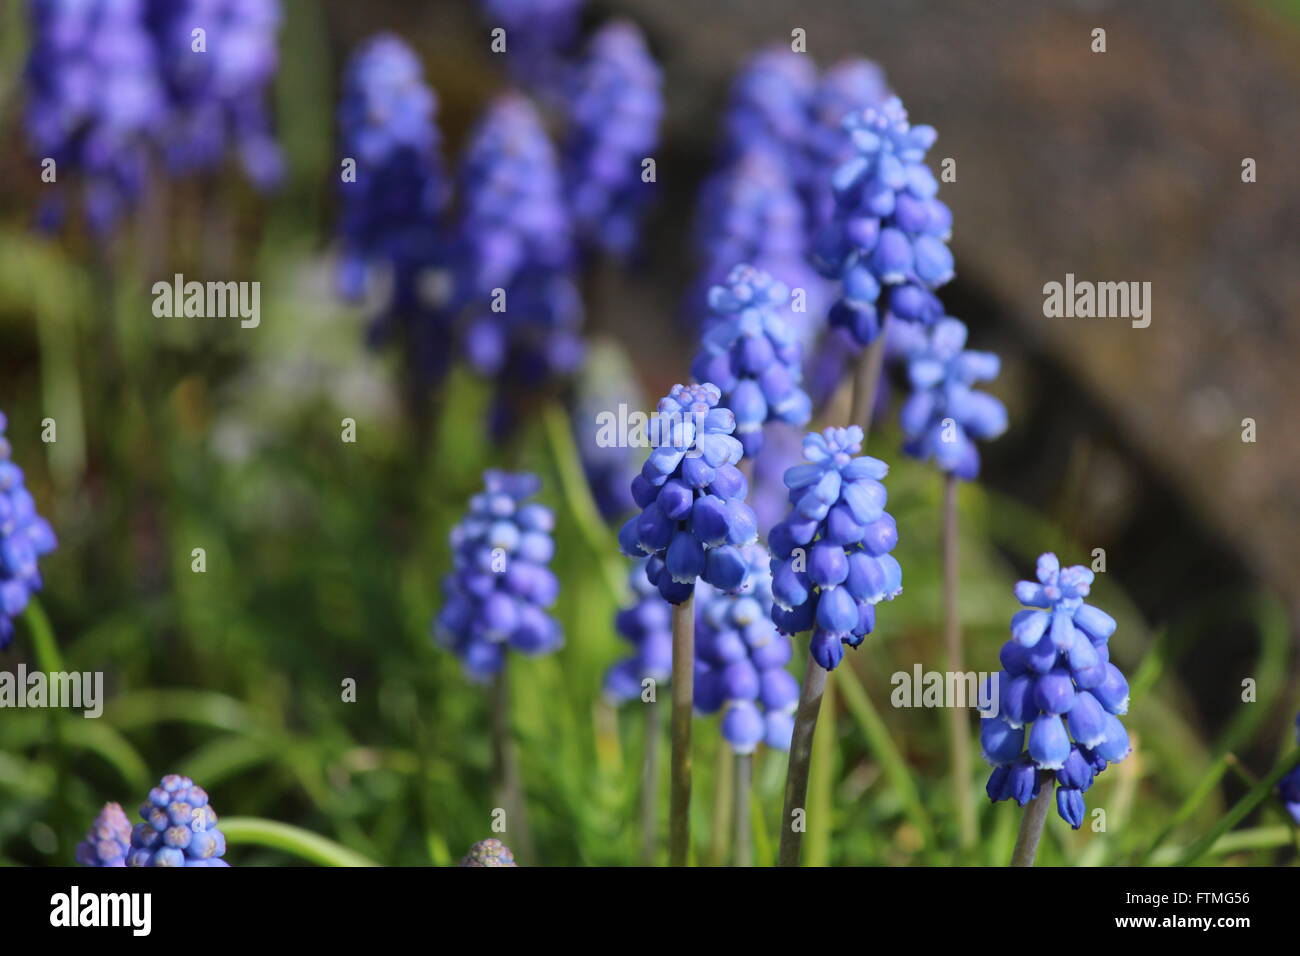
(539, 36)
(490, 852)
(849, 86)
(647, 625)
(179, 828)
(24, 537)
(108, 841)
(1288, 787)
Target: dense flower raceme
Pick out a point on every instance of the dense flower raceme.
(1289, 786)
(540, 35)
(108, 841)
(95, 102)
(944, 414)
(887, 241)
(24, 537)
(603, 385)
(218, 91)
(647, 625)
(751, 353)
(831, 564)
(179, 828)
(1059, 696)
(500, 586)
(490, 852)
(740, 659)
(614, 116)
(849, 86)
(694, 518)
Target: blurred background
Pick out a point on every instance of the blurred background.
(324, 558)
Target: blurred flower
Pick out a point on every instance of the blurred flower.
(179, 828)
(614, 116)
(1289, 786)
(491, 852)
(849, 86)
(830, 557)
(24, 537)
(944, 414)
(218, 93)
(647, 625)
(606, 381)
(501, 585)
(740, 660)
(539, 36)
(1060, 698)
(694, 518)
(770, 108)
(750, 352)
(889, 232)
(95, 104)
(108, 840)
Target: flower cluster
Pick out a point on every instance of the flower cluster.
(604, 384)
(24, 537)
(1289, 786)
(500, 585)
(944, 414)
(889, 232)
(1058, 693)
(614, 117)
(694, 518)
(108, 841)
(218, 93)
(647, 625)
(750, 352)
(740, 660)
(849, 86)
(179, 828)
(490, 852)
(95, 102)
(831, 564)
(539, 35)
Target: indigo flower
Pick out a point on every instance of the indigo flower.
(740, 660)
(500, 585)
(218, 93)
(831, 564)
(95, 103)
(540, 34)
(24, 537)
(490, 852)
(108, 841)
(614, 116)
(694, 518)
(770, 108)
(889, 232)
(849, 86)
(944, 415)
(1289, 786)
(179, 828)
(610, 465)
(750, 352)
(1060, 698)
(647, 625)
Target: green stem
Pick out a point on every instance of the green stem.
(866, 382)
(1242, 809)
(650, 783)
(290, 839)
(44, 647)
(742, 843)
(505, 767)
(959, 732)
(796, 780)
(679, 808)
(1031, 825)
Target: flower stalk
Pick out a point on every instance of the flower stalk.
(959, 742)
(793, 823)
(679, 809)
(1031, 825)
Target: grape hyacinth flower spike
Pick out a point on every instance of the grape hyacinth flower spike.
(108, 841)
(179, 828)
(1059, 702)
(24, 537)
(490, 852)
(750, 352)
(1289, 786)
(693, 522)
(831, 566)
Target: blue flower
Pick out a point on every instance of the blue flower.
(849, 86)
(740, 660)
(751, 353)
(501, 585)
(647, 625)
(491, 852)
(1289, 786)
(179, 828)
(1059, 697)
(95, 102)
(830, 557)
(944, 415)
(24, 537)
(108, 841)
(218, 94)
(770, 108)
(539, 36)
(694, 518)
(603, 386)
(889, 232)
(614, 116)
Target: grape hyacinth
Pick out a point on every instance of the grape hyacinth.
(888, 236)
(750, 352)
(1060, 698)
(740, 660)
(614, 115)
(540, 34)
(849, 86)
(770, 108)
(830, 557)
(1288, 787)
(218, 93)
(24, 537)
(95, 103)
(500, 585)
(179, 828)
(490, 852)
(108, 841)
(694, 518)
(647, 625)
(604, 383)
(945, 414)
